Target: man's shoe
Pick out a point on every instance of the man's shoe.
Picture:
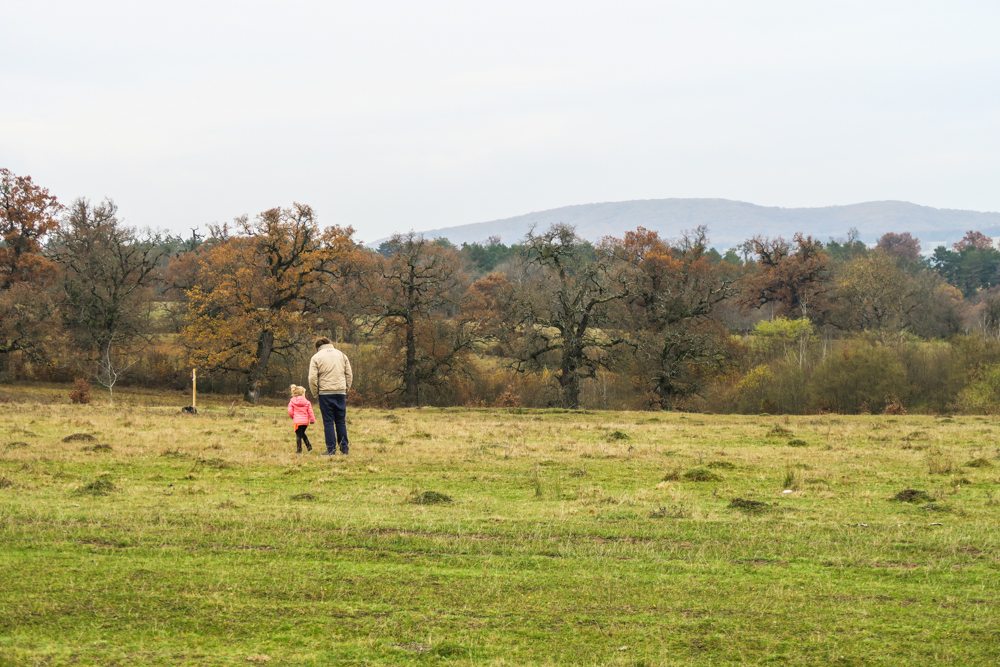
(328, 453)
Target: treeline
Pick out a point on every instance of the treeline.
(636, 322)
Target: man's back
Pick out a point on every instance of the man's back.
(329, 371)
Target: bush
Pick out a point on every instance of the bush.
(779, 388)
(982, 395)
(80, 394)
(860, 378)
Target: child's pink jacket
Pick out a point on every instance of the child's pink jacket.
(301, 410)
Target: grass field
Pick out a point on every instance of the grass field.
(137, 536)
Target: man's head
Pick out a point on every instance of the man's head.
(321, 341)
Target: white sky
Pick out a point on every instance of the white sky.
(391, 115)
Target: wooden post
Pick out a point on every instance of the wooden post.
(194, 388)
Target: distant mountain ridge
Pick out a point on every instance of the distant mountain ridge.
(731, 222)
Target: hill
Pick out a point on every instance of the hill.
(731, 222)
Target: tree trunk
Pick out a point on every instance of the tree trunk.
(569, 379)
(264, 346)
(411, 388)
(106, 371)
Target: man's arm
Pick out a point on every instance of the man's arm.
(313, 377)
(348, 374)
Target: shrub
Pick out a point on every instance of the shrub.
(938, 464)
(779, 388)
(80, 394)
(982, 395)
(859, 378)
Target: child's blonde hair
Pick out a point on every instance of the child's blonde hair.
(298, 391)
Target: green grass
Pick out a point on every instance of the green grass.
(206, 541)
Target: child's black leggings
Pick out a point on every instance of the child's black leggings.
(300, 437)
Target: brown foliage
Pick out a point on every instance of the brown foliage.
(900, 245)
(406, 298)
(27, 215)
(257, 290)
(81, 392)
(973, 239)
(796, 280)
(672, 311)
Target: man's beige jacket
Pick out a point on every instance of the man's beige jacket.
(329, 372)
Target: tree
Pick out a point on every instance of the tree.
(29, 324)
(28, 214)
(971, 269)
(486, 257)
(789, 337)
(258, 289)
(672, 308)
(555, 306)
(903, 245)
(107, 270)
(405, 292)
(795, 281)
(873, 294)
(844, 250)
(973, 239)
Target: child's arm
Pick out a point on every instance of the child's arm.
(291, 410)
(312, 415)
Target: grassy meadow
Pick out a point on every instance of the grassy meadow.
(134, 535)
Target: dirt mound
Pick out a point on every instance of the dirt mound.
(303, 496)
(99, 448)
(912, 496)
(701, 475)
(429, 498)
(749, 506)
(99, 487)
(79, 437)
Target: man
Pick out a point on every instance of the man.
(330, 378)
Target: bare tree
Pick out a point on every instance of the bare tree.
(107, 270)
(551, 309)
(410, 296)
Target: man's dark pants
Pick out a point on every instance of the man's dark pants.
(333, 407)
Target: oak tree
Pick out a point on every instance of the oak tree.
(677, 337)
(28, 214)
(795, 279)
(409, 295)
(257, 289)
(107, 270)
(555, 309)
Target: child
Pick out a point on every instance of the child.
(301, 412)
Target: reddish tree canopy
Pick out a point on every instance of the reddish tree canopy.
(900, 245)
(27, 215)
(973, 239)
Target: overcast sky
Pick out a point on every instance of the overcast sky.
(391, 116)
